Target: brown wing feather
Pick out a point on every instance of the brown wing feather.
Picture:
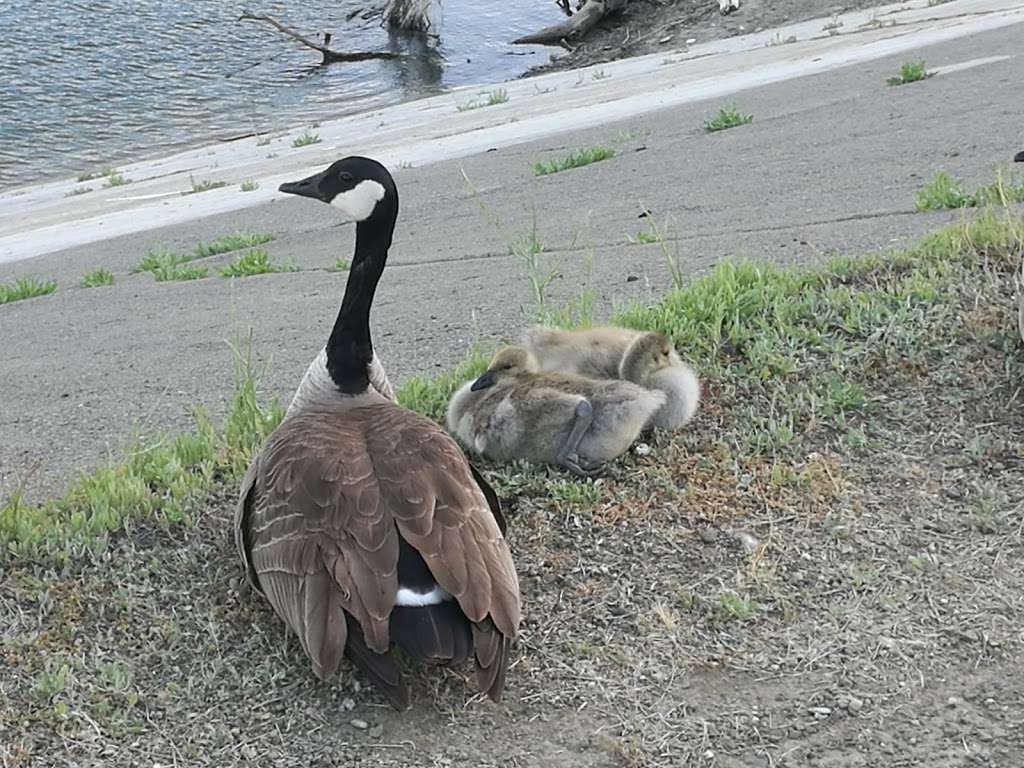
(319, 518)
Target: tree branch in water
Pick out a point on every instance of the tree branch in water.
(330, 56)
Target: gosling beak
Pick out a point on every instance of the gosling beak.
(308, 187)
(486, 380)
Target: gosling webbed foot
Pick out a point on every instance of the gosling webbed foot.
(582, 467)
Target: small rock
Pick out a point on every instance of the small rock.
(954, 701)
(377, 731)
(348, 704)
(362, 725)
(708, 535)
(642, 449)
(820, 712)
(855, 705)
(749, 541)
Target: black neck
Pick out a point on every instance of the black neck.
(349, 349)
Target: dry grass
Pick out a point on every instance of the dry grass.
(822, 566)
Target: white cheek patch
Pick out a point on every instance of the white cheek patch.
(359, 202)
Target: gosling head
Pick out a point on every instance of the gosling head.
(359, 187)
(509, 362)
(658, 349)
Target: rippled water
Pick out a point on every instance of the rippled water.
(84, 84)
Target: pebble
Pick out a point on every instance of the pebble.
(348, 704)
(854, 704)
(708, 535)
(362, 725)
(820, 712)
(377, 731)
(954, 701)
(641, 449)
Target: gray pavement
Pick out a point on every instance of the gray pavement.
(830, 164)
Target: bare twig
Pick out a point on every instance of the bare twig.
(329, 56)
(576, 26)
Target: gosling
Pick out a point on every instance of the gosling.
(514, 412)
(644, 358)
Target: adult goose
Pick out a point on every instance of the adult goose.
(362, 522)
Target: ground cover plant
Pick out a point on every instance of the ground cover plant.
(489, 99)
(99, 276)
(575, 159)
(943, 192)
(305, 138)
(25, 288)
(910, 72)
(166, 265)
(255, 262)
(727, 117)
(819, 567)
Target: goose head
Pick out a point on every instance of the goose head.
(509, 362)
(359, 187)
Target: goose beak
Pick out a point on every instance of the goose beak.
(486, 380)
(308, 187)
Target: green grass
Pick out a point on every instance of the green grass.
(429, 395)
(117, 180)
(910, 72)
(99, 276)
(305, 138)
(164, 477)
(25, 288)
(255, 262)
(944, 192)
(489, 99)
(90, 175)
(203, 186)
(575, 159)
(727, 117)
(78, 191)
(341, 265)
(166, 265)
(248, 186)
(599, 74)
(235, 242)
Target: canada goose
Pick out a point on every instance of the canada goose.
(362, 522)
(645, 358)
(513, 412)
(1019, 157)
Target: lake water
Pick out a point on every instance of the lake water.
(89, 84)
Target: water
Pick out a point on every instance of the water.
(90, 84)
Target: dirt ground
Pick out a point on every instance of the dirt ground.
(778, 585)
(649, 26)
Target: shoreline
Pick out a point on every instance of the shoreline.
(40, 219)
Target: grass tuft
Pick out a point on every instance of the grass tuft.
(25, 288)
(78, 191)
(575, 159)
(235, 242)
(248, 186)
(255, 262)
(90, 175)
(203, 186)
(910, 72)
(341, 265)
(99, 276)
(727, 117)
(944, 192)
(165, 266)
(305, 138)
(117, 180)
(489, 99)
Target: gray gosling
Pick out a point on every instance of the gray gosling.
(644, 358)
(514, 412)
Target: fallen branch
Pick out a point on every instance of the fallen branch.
(576, 26)
(330, 56)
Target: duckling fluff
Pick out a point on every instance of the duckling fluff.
(512, 411)
(644, 358)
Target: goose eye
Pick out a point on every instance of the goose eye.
(346, 176)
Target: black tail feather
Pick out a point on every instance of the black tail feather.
(492, 656)
(379, 667)
(436, 634)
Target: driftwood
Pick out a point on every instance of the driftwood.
(576, 26)
(330, 56)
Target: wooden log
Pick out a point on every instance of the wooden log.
(330, 56)
(576, 26)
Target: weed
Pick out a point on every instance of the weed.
(117, 180)
(165, 266)
(489, 99)
(305, 138)
(341, 265)
(263, 140)
(203, 186)
(599, 74)
(430, 395)
(235, 242)
(731, 606)
(255, 262)
(25, 288)
(51, 681)
(727, 117)
(90, 175)
(655, 234)
(632, 134)
(99, 276)
(944, 192)
(248, 186)
(910, 72)
(642, 238)
(78, 191)
(575, 159)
